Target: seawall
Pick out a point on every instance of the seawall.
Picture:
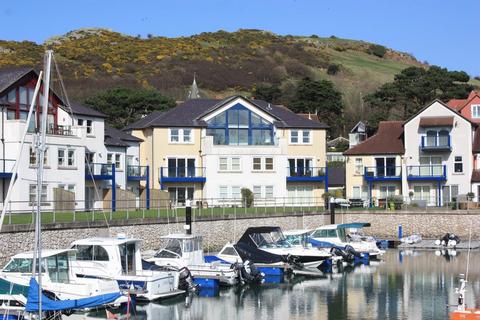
(216, 232)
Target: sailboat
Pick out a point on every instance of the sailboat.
(43, 276)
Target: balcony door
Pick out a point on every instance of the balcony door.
(181, 167)
(300, 167)
(385, 166)
(431, 166)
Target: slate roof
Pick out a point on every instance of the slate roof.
(117, 138)
(436, 121)
(9, 76)
(83, 110)
(387, 140)
(189, 114)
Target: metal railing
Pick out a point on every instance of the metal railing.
(182, 172)
(306, 171)
(436, 170)
(435, 142)
(60, 130)
(383, 172)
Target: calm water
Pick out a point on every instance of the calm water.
(406, 285)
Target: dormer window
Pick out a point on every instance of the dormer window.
(476, 111)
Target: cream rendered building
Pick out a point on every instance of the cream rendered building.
(210, 149)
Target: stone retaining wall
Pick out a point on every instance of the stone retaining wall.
(216, 233)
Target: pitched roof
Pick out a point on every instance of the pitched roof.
(459, 104)
(387, 140)
(83, 110)
(475, 175)
(189, 114)
(436, 121)
(9, 76)
(442, 104)
(476, 141)
(117, 138)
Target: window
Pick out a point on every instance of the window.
(387, 191)
(118, 163)
(294, 136)
(80, 122)
(269, 192)
(181, 194)
(240, 126)
(356, 192)
(236, 192)
(300, 195)
(33, 194)
(235, 164)
(257, 163)
(300, 167)
(181, 135)
(450, 193)
(109, 158)
(71, 158)
(475, 110)
(89, 127)
(223, 192)
(268, 163)
(458, 165)
(67, 187)
(182, 167)
(257, 192)
(223, 164)
(306, 136)
(300, 136)
(61, 158)
(174, 135)
(421, 193)
(358, 166)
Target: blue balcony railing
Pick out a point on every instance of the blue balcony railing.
(389, 173)
(306, 174)
(99, 171)
(137, 173)
(427, 172)
(182, 174)
(436, 143)
(6, 168)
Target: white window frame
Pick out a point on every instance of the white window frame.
(300, 136)
(358, 166)
(70, 158)
(89, 127)
(32, 194)
(62, 160)
(181, 136)
(118, 161)
(110, 157)
(257, 192)
(475, 109)
(266, 164)
(223, 192)
(223, 164)
(236, 169)
(263, 166)
(259, 164)
(236, 192)
(455, 162)
(269, 192)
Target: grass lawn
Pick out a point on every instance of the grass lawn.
(66, 217)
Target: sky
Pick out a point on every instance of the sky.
(441, 32)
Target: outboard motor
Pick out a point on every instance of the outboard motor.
(346, 255)
(294, 262)
(247, 272)
(185, 280)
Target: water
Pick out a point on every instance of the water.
(406, 285)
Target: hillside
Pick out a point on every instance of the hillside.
(96, 59)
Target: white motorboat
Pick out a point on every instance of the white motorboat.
(335, 235)
(58, 277)
(185, 250)
(120, 259)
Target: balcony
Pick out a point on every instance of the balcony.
(436, 172)
(436, 143)
(137, 173)
(6, 168)
(302, 174)
(182, 174)
(99, 171)
(60, 130)
(393, 173)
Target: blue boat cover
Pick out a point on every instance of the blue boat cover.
(59, 305)
(323, 244)
(210, 259)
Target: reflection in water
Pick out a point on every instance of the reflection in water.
(419, 287)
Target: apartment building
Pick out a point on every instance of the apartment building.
(81, 149)
(428, 158)
(210, 149)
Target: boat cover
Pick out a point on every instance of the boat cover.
(255, 255)
(246, 239)
(59, 305)
(354, 225)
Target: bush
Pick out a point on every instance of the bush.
(377, 50)
(477, 78)
(247, 197)
(333, 69)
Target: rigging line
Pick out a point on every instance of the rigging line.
(468, 252)
(87, 161)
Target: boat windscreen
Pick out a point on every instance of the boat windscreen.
(173, 249)
(272, 239)
(341, 235)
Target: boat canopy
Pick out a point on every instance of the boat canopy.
(59, 305)
(45, 253)
(105, 241)
(255, 236)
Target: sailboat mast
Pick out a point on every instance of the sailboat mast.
(40, 144)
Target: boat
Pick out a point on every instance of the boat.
(119, 258)
(335, 235)
(185, 250)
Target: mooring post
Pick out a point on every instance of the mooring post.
(332, 210)
(400, 232)
(188, 218)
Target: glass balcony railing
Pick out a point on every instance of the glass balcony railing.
(436, 143)
(99, 169)
(137, 172)
(383, 173)
(425, 172)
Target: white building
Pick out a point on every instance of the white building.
(75, 137)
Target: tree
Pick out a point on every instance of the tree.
(124, 105)
(321, 98)
(412, 89)
(268, 93)
(377, 50)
